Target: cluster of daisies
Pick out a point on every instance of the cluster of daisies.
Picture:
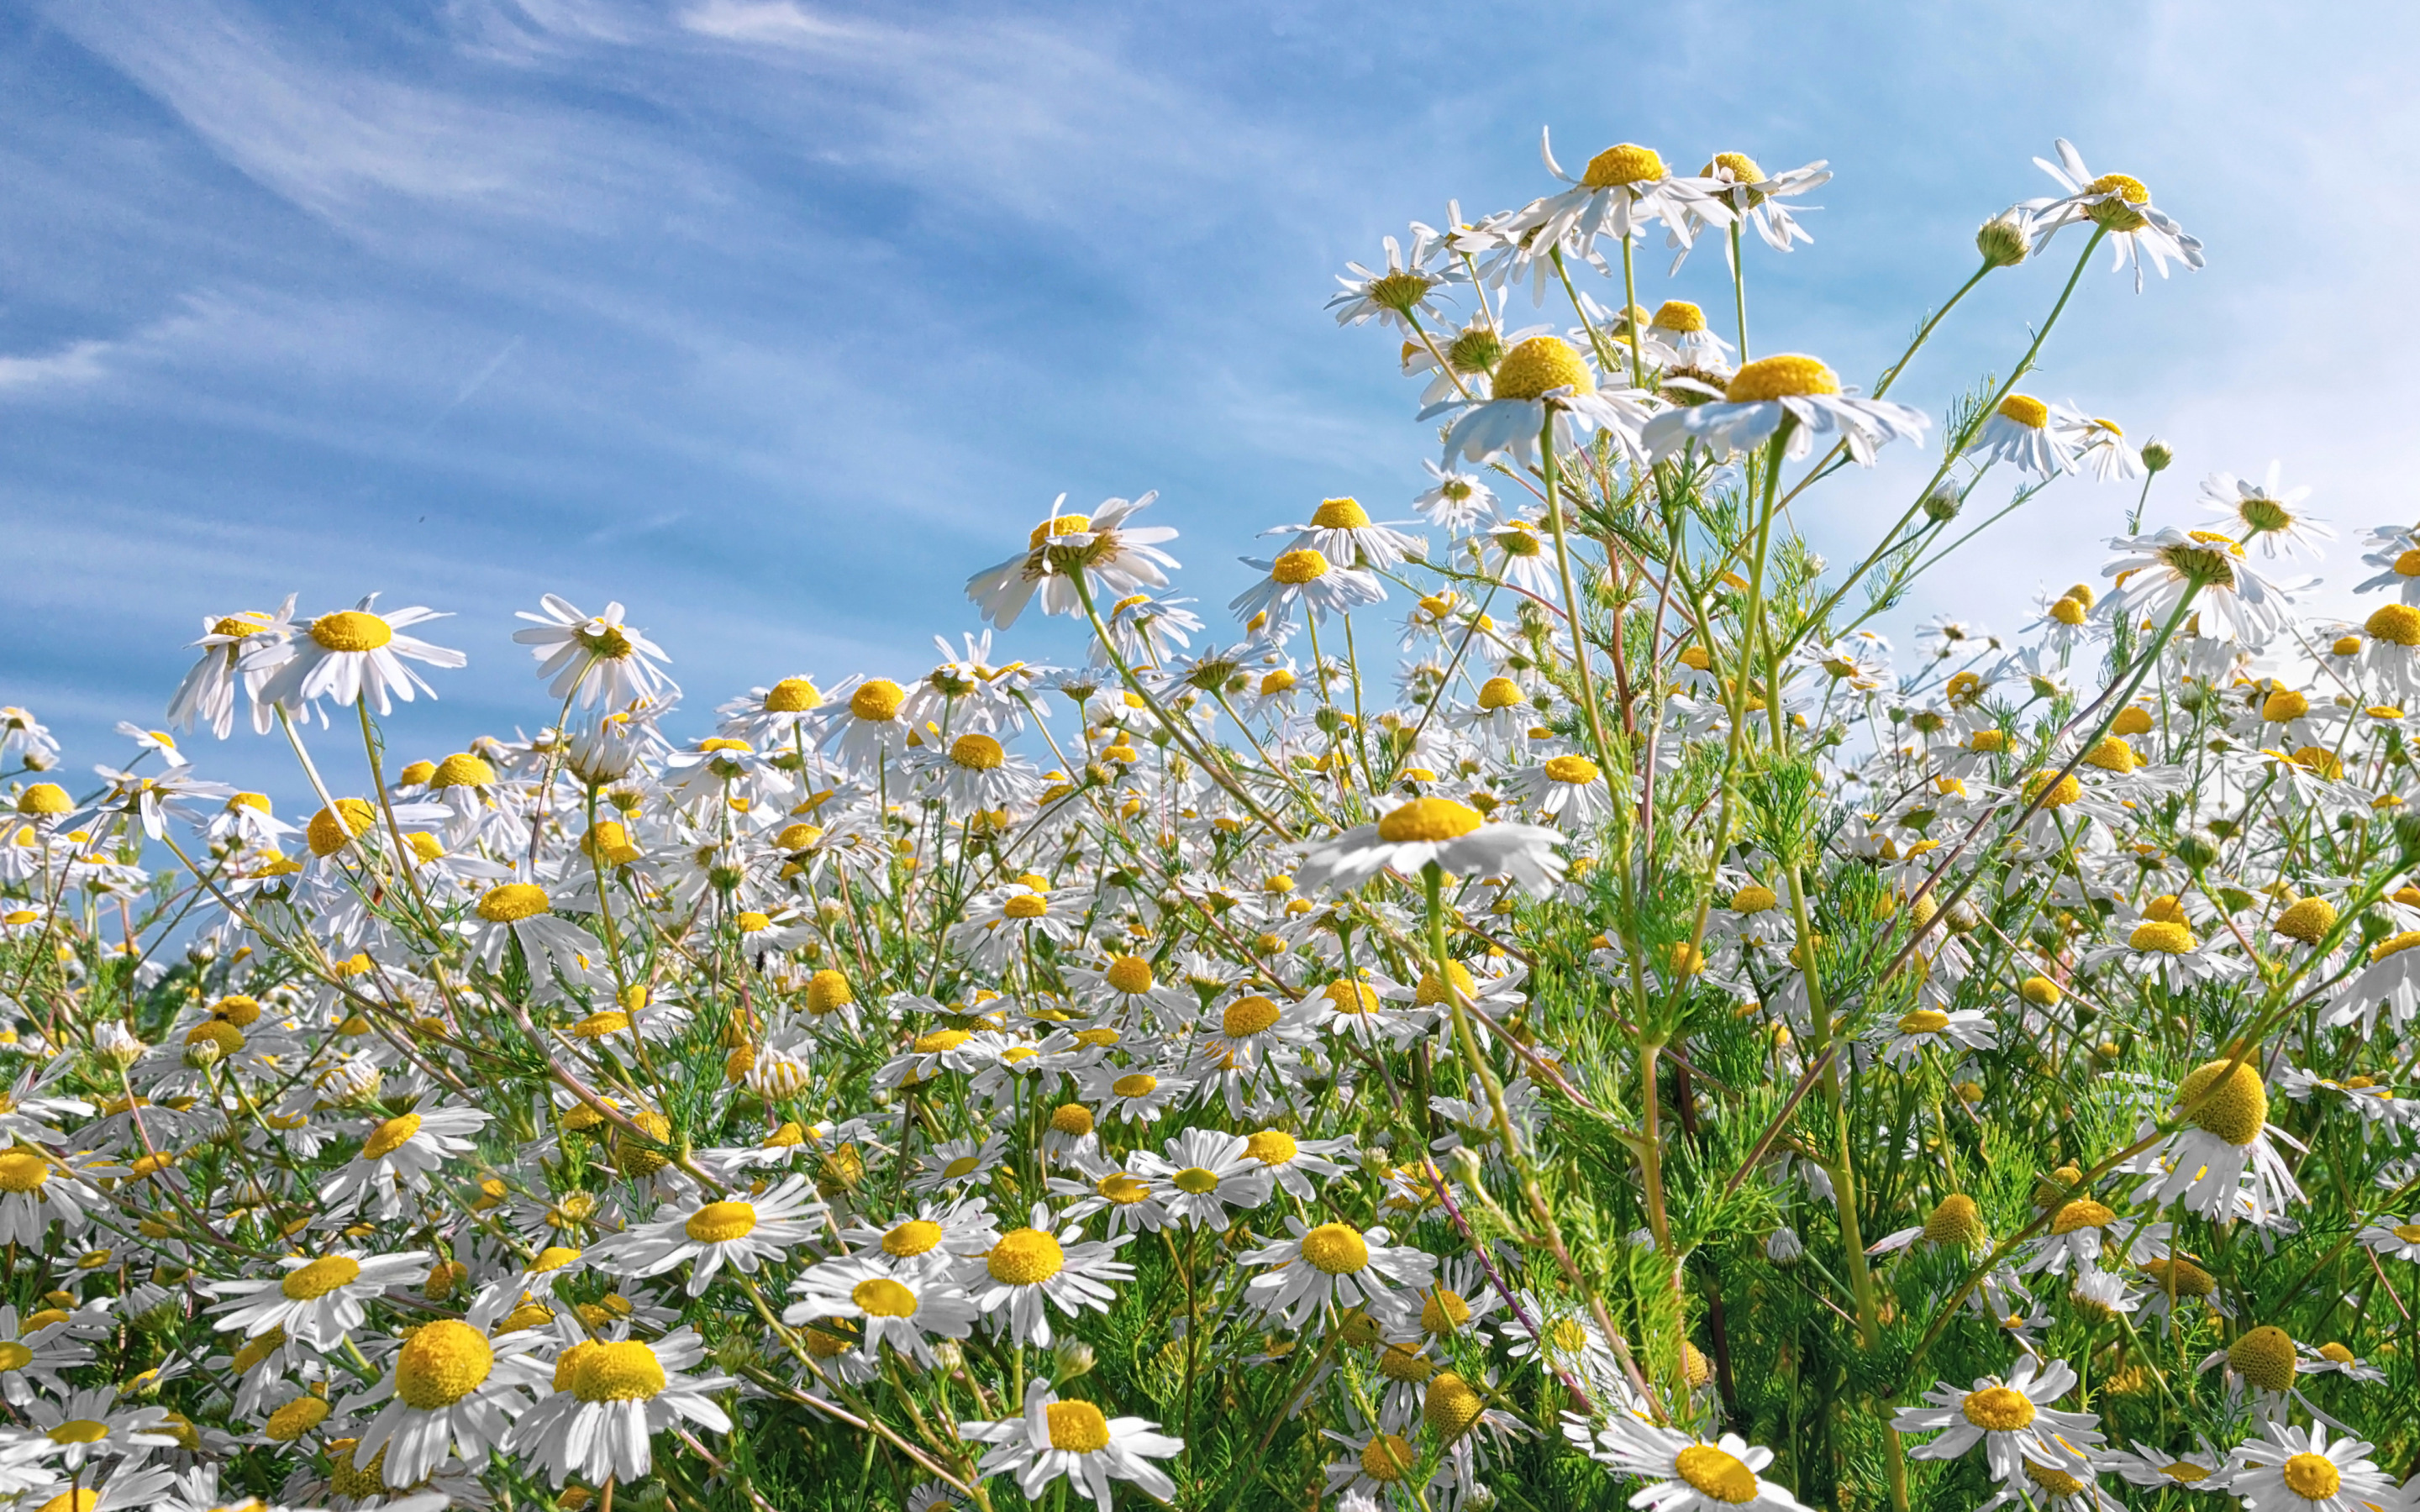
(1643, 1045)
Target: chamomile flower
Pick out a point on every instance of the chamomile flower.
(1621, 192)
(1785, 394)
(1454, 500)
(397, 1156)
(455, 1387)
(1543, 378)
(740, 1233)
(318, 1300)
(1341, 531)
(2391, 1236)
(519, 913)
(352, 656)
(1685, 1472)
(2298, 1469)
(905, 1304)
(1204, 1173)
(227, 643)
(1294, 1160)
(1073, 1439)
(1336, 1264)
(2115, 204)
(593, 657)
(1031, 1267)
(612, 1396)
(1927, 1029)
(1400, 296)
(2154, 573)
(2265, 512)
(2034, 435)
(1754, 197)
(2395, 548)
(2011, 1418)
(1682, 326)
(2225, 1149)
(88, 1425)
(2101, 449)
(1455, 836)
(1101, 549)
(1305, 576)
(974, 775)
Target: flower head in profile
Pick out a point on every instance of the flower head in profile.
(1069, 555)
(2115, 204)
(1754, 198)
(1685, 1472)
(594, 657)
(1457, 837)
(351, 655)
(1792, 391)
(2265, 512)
(1544, 379)
(1398, 296)
(1071, 1438)
(2155, 572)
(2034, 435)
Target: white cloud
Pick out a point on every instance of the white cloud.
(78, 362)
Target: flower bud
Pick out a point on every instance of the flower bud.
(2003, 240)
(1942, 504)
(2157, 454)
(1069, 1360)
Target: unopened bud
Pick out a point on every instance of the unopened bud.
(2157, 454)
(1069, 1360)
(2003, 240)
(1942, 504)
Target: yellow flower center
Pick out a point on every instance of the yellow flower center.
(1626, 163)
(1539, 365)
(227, 1038)
(1128, 974)
(1025, 905)
(79, 1430)
(14, 1356)
(1577, 770)
(1341, 515)
(2408, 1233)
(1336, 1249)
(1430, 992)
(1451, 1406)
(1025, 1258)
(1077, 1428)
(2308, 920)
(296, 1418)
(2235, 1109)
(719, 1223)
(1715, 1473)
(1743, 168)
(1138, 1084)
(1680, 315)
(2116, 212)
(2312, 1477)
(1998, 1409)
(2056, 1482)
(917, 1235)
(351, 630)
(2112, 754)
(1428, 819)
(1058, 525)
(1923, 1021)
(627, 1372)
(1272, 1147)
(2338, 1353)
(321, 1276)
(2264, 1357)
(1352, 996)
(1500, 693)
(1443, 1311)
(1071, 1118)
(1122, 1189)
(1385, 1459)
(2056, 794)
(963, 1165)
(1788, 374)
(442, 1364)
(792, 695)
(940, 1042)
(977, 753)
(2395, 623)
(2164, 935)
(1298, 567)
(462, 770)
(1248, 1016)
(882, 1297)
(1754, 898)
(2026, 410)
(390, 1136)
(512, 903)
(827, 990)
(2181, 1471)
(2082, 1214)
(876, 701)
(1955, 1221)
(2283, 706)
(2395, 945)
(1195, 1180)
(331, 830)
(2067, 611)
(1396, 1363)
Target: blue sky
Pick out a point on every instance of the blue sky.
(776, 320)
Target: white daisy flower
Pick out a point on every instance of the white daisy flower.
(1455, 836)
(1543, 377)
(594, 657)
(1930, 1028)
(2116, 203)
(35, 1188)
(399, 1155)
(1071, 1438)
(737, 1233)
(350, 655)
(1454, 500)
(1304, 576)
(1787, 390)
(2265, 512)
(1623, 190)
(909, 1305)
(1205, 1172)
(1342, 531)
(1685, 1473)
(1294, 1160)
(2199, 1469)
(2393, 547)
(317, 1301)
(520, 912)
(610, 1398)
(1026, 1268)
(2227, 1148)
(207, 692)
(1117, 559)
(2298, 1469)
(1336, 1264)
(975, 775)
(1398, 296)
(2012, 1419)
(2034, 435)
(2154, 571)
(86, 1425)
(1754, 197)
(2102, 448)
(455, 1387)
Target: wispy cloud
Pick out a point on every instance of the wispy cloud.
(77, 363)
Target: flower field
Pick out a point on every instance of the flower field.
(1535, 1004)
